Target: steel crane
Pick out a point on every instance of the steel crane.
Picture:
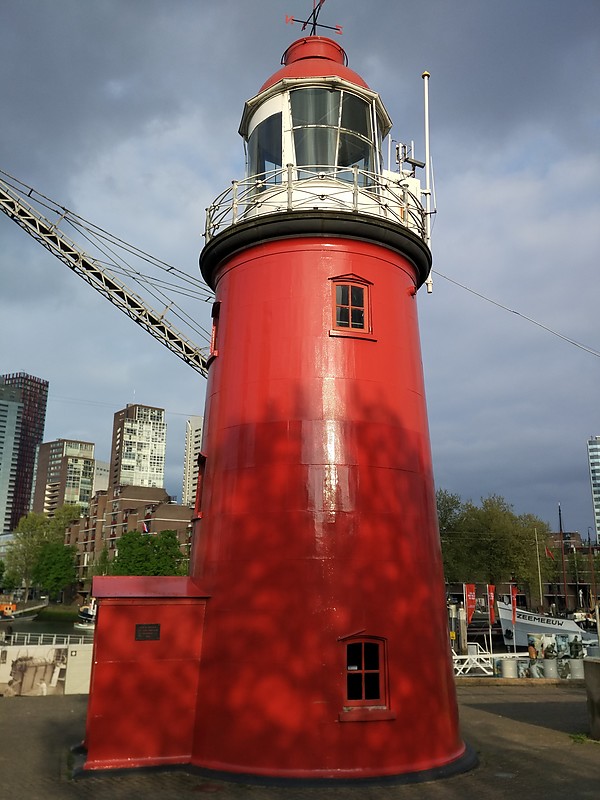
(94, 272)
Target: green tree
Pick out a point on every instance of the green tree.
(489, 543)
(63, 517)
(103, 565)
(134, 555)
(166, 554)
(32, 532)
(144, 554)
(455, 556)
(2, 571)
(23, 550)
(55, 569)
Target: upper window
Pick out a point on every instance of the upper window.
(351, 305)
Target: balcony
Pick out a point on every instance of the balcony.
(392, 196)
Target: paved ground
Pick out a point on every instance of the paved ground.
(530, 738)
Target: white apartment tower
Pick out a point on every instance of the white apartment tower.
(594, 464)
(193, 447)
(139, 445)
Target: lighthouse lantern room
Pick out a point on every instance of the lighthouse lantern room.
(312, 629)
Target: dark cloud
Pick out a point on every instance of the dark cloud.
(128, 112)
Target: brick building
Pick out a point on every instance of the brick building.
(120, 509)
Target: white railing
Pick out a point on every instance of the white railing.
(24, 639)
(477, 662)
(390, 196)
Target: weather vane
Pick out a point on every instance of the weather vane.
(312, 20)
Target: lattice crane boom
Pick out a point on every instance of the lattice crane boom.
(96, 275)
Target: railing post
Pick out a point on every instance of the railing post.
(355, 188)
(234, 202)
(290, 187)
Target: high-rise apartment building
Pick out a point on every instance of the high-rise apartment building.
(594, 464)
(24, 442)
(139, 444)
(64, 476)
(193, 447)
(11, 416)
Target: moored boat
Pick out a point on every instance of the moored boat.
(529, 624)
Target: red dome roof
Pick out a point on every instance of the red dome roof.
(314, 57)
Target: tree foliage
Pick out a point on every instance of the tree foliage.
(55, 568)
(26, 549)
(144, 554)
(489, 543)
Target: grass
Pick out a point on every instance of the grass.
(583, 738)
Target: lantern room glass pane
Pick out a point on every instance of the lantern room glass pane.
(356, 115)
(315, 147)
(315, 107)
(264, 149)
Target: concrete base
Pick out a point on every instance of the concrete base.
(591, 668)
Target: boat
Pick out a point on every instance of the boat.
(529, 624)
(87, 613)
(9, 613)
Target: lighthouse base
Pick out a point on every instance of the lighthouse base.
(466, 762)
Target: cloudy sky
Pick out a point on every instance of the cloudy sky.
(126, 111)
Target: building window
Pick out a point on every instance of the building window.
(351, 298)
(366, 681)
(364, 668)
(349, 306)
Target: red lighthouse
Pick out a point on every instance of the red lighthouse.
(325, 649)
(314, 628)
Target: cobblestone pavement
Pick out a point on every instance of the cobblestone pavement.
(531, 740)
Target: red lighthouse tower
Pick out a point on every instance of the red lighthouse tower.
(310, 640)
(325, 649)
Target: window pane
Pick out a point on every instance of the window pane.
(264, 146)
(354, 656)
(354, 152)
(358, 296)
(341, 295)
(315, 107)
(356, 115)
(354, 686)
(315, 146)
(358, 318)
(371, 655)
(342, 317)
(372, 686)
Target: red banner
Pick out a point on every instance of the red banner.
(490, 596)
(513, 600)
(469, 590)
